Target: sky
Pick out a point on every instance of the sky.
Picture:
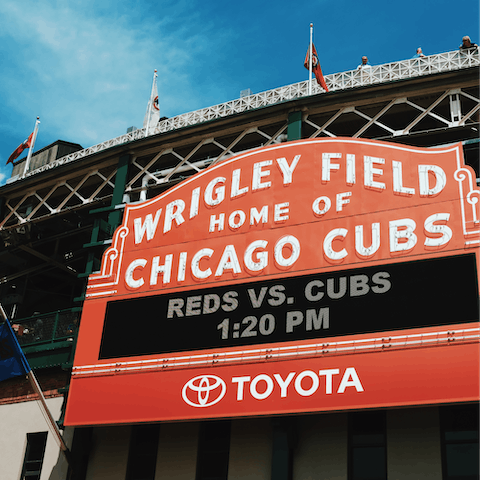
(85, 67)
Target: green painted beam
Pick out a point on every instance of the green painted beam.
(49, 358)
(115, 217)
(294, 131)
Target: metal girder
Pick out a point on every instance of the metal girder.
(422, 112)
(64, 194)
(22, 273)
(389, 72)
(375, 119)
(48, 260)
(181, 155)
(194, 160)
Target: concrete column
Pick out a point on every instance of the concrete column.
(177, 451)
(413, 444)
(321, 452)
(250, 449)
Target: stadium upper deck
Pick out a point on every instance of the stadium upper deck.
(379, 74)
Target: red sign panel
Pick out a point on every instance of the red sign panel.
(415, 369)
(295, 207)
(281, 244)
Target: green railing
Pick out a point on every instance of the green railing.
(47, 328)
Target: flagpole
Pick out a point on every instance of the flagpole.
(150, 104)
(310, 61)
(30, 150)
(34, 383)
(48, 416)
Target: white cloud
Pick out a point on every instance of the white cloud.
(5, 171)
(87, 69)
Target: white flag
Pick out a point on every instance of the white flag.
(152, 116)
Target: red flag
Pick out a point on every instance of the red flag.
(317, 71)
(26, 144)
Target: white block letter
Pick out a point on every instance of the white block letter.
(444, 230)
(407, 232)
(327, 244)
(350, 379)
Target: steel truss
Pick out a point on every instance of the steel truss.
(451, 108)
(443, 62)
(390, 116)
(208, 151)
(65, 193)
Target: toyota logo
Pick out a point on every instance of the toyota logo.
(204, 391)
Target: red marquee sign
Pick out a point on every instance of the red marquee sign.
(282, 246)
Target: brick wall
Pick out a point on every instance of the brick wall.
(18, 389)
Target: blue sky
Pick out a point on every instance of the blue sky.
(85, 67)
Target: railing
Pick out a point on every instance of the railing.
(388, 72)
(414, 67)
(47, 328)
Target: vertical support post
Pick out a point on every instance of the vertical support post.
(90, 264)
(455, 108)
(294, 131)
(81, 448)
(283, 443)
(55, 326)
(114, 218)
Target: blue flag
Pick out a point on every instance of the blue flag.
(12, 359)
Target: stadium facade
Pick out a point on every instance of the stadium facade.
(284, 286)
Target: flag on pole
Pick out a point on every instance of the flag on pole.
(152, 116)
(29, 156)
(12, 360)
(317, 71)
(26, 144)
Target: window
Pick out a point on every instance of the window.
(142, 455)
(213, 450)
(459, 430)
(34, 453)
(367, 446)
